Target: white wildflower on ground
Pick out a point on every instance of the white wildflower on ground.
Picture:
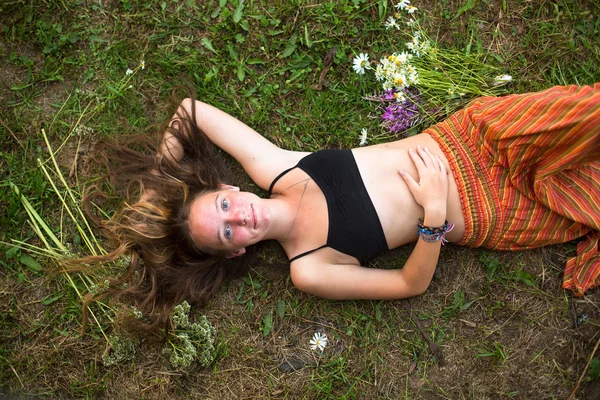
(83, 131)
(363, 137)
(402, 5)
(360, 63)
(129, 71)
(143, 65)
(391, 23)
(396, 72)
(418, 80)
(501, 79)
(319, 341)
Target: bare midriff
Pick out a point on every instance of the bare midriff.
(396, 207)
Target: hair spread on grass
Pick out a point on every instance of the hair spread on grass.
(165, 266)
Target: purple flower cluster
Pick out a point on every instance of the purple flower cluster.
(401, 116)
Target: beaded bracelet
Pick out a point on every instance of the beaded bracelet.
(431, 235)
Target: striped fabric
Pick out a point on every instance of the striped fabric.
(528, 171)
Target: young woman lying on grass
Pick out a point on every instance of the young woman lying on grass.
(508, 173)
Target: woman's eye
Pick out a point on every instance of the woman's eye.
(225, 205)
(228, 232)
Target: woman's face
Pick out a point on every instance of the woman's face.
(228, 220)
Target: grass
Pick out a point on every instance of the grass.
(503, 323)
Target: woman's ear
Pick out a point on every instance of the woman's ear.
(224, 186)
(236, 253)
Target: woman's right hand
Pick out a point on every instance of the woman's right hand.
(431, 189)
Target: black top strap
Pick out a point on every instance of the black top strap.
(306, 253)
(278, 177)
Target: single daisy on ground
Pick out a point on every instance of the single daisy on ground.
(403, 5)
(363, 137)
(129, 71)
(411, 9)
(501, 79)
(360, 63)
(143, 65)
(391, 23)
(319, 341)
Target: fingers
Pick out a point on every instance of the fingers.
(410, 181)
(424, 158)
(443, 168)
(416, 158)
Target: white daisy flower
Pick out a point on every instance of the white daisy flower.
(403, 5)
(363, 137)
(129, 71)
(391, 23)
(501, 80)
(399, 96)
(143, 65)
(360, 63)
(319, 341)
(411, 22)
(411, 9)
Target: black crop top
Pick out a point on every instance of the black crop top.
(354, 226)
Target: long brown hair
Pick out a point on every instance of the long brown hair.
(165, 266)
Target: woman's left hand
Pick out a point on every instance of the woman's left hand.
(431, 190)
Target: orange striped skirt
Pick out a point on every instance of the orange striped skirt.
(528, 171)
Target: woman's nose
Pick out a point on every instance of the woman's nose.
(238, 217)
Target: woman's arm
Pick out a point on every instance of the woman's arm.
(261, 159)
(355, 282)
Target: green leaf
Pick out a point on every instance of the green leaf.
(241, 291)
(192, 4)
(211, 74)
(291, 46)
(281, 308)
(232, 52)
(12, 252)
(73, 37)
(466, 7)
(206, 42)
(267, 323)
(30, 262)
(525, 277)
(222, 3)
(382, 8)
(496, 57)
(378, 315)
(239, 11)
(307, 40)
(458, 299)
(491, 264)
(251, 282)
(467, 305)
(96, 38)
(594, 371)
(52, 298)
(21, 277)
